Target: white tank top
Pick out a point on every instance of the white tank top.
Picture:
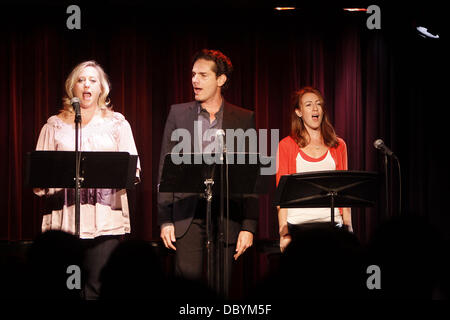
(303, 215)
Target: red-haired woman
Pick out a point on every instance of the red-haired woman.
(311, 146)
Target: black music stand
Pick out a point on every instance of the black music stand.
(194, 175)
(323, 189)
(55, 169)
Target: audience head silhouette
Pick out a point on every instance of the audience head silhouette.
(407, 251)
(49, 258)
(133, 271)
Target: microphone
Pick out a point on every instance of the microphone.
(75, 102)
(379, 144)
(220, 137)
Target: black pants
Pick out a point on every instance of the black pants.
(190, 258)
(96, 254)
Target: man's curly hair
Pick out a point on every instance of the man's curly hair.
(222, 63)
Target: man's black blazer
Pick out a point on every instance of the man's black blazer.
(179, 208)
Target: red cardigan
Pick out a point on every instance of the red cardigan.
(288, 150)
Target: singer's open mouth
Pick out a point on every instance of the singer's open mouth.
(87, 95)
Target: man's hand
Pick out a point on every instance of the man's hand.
(245, 241)
(168, 236)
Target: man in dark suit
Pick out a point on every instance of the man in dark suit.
(182, 216)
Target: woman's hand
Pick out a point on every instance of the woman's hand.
(347, 219)
(284, 241)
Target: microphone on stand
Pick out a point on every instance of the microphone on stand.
(220, 137)
(75, 102)
(379, 144)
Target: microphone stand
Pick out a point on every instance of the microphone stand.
(226, 284)
(223, 226)
(386, 183)
(221, 270)
(78, 179)
(209, 237)
(400, 185)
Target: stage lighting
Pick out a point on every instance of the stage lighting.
(284, 8)
(423, 32)
(355, 9)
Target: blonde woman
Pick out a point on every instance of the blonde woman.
(104, 214)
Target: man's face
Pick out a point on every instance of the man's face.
(205, 82)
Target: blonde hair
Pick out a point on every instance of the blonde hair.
(103, 100)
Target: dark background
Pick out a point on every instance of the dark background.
(389, 84)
